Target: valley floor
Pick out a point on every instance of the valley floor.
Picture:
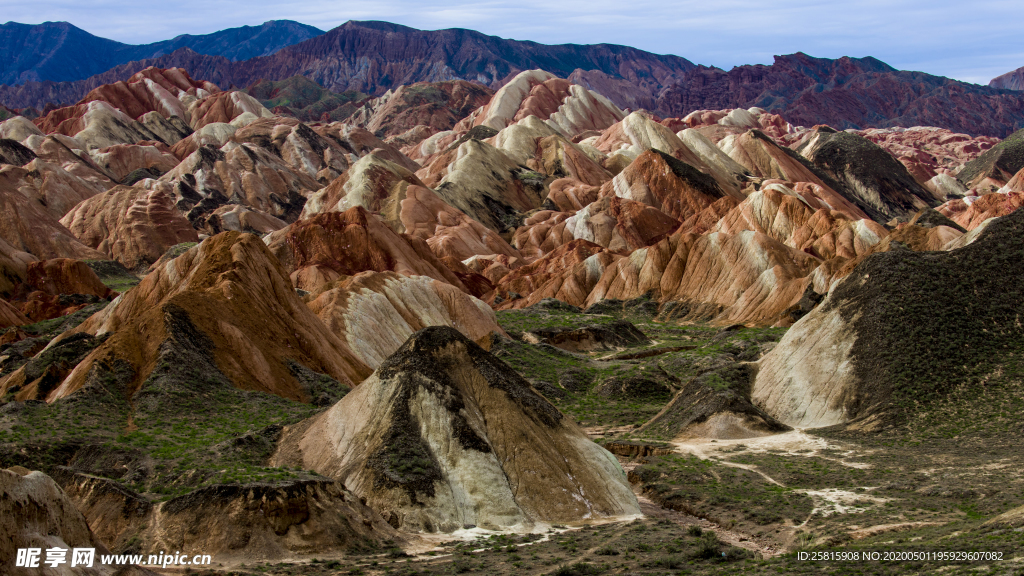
(935, 483)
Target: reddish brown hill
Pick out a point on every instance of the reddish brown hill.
(373, 57)
(848, 93)
(224, 308)
(328, 246)
(437, 105)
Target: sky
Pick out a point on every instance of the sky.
(970, 41)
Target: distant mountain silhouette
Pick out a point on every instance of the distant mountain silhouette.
(373, 57)
(62, 52)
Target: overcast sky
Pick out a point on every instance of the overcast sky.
(971, 41)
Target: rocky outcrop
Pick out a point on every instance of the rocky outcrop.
(714, 405)
(51, 186)
(224, 310)
(240, 174)
(1013, 80)
(437, 106)
(224, 107)
(672, 186)
(57, 287)
(780, 213)
(723, 278)
(323, 248)
(533, 143)
(875, 347)
(131, 224)
(567, 273)
(26, 224)
(640, 132)
(40, 515)
(240, 219)
(444, 436)
(376, 312)
(151, 90)
(489, 187)
(568, 108)
(264, 521)
(972, 211)
(927, 151)
(759, 154)
(96, 124)
(617, 224)
(373, 182)
(128, 162)
(447, 231)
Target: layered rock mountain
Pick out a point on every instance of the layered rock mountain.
(876, 346)
(540, 191)
(445, 435)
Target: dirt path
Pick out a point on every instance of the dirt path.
(699, 451)
(761, 545)
(764, 546)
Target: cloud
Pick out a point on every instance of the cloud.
(944, 37)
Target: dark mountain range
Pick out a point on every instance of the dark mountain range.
(55, 94)
(848, 93)
(59, 51)
(373, 57)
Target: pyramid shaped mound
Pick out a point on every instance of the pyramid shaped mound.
(897, 333)
(759, 154)
(223, 313)
(666, 183)
(445, 435)
(875, 181)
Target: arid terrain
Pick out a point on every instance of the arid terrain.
(609, 317)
